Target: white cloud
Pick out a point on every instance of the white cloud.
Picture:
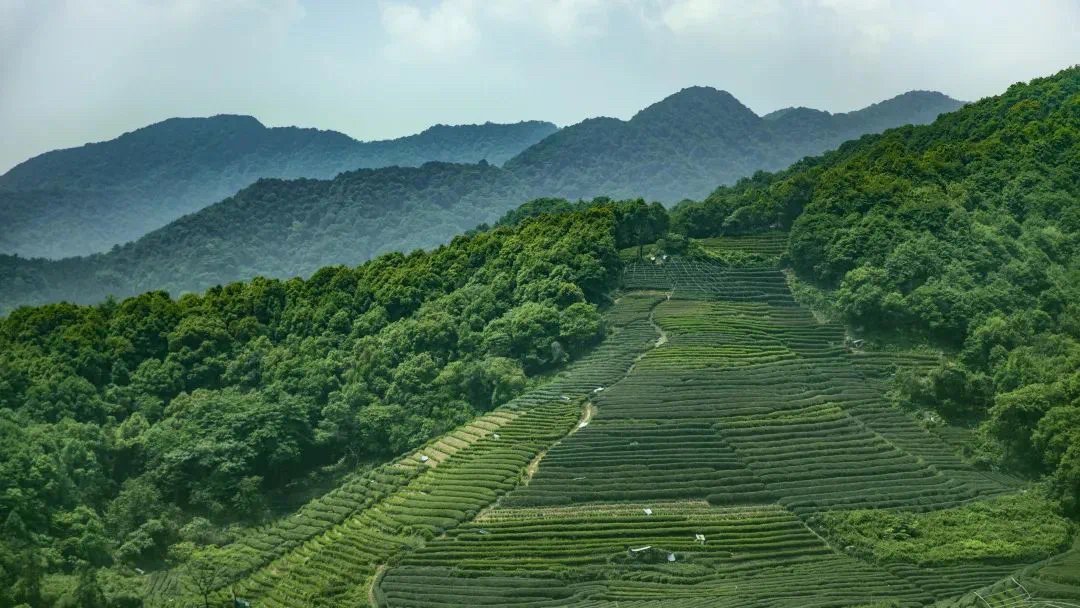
(17, 21)
(848, 6)
(441, 33)
(867, 25)
(450, 29)
(711, 15)
(861, 27)
(562, 20)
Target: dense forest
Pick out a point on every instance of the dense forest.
(131, 426)
(686, 144)
(964, 234)
(109, 193)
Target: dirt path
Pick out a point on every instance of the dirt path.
(375, 581)
(590, 408)
(662, 340)
(586, 416)
(534, 464)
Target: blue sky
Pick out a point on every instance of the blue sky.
(73, 71)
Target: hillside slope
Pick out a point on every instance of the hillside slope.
(133, 431)
(722, 446)
(87, 199)
(687, 144)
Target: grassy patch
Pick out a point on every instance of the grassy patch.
(1018, 527)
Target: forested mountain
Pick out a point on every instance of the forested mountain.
(686, 144)
(964, 233)
(278, 228)
(87, 199)
(825, 131)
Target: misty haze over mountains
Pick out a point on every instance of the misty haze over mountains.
(108, 193)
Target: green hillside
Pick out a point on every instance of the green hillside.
(109, 193)
(132, 430)
(964, 234)
(744, 424)
(716, 406)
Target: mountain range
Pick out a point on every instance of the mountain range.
(279, 228)
(682, 146)
(85, 200)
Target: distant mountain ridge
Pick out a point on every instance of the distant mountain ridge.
(913, 107)
(688, 143)
(87, 199)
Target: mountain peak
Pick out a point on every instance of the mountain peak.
(918, 106)
(701, 92)
(697, 95)
(698, 104)
(200, 124)
(797, 112)
(922, 94)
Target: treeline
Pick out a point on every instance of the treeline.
(130, 426)
(965, 233)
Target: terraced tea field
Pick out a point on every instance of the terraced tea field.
(616, 554)
(687, 461)
(768, 246)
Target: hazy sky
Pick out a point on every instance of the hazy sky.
(86, 70)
